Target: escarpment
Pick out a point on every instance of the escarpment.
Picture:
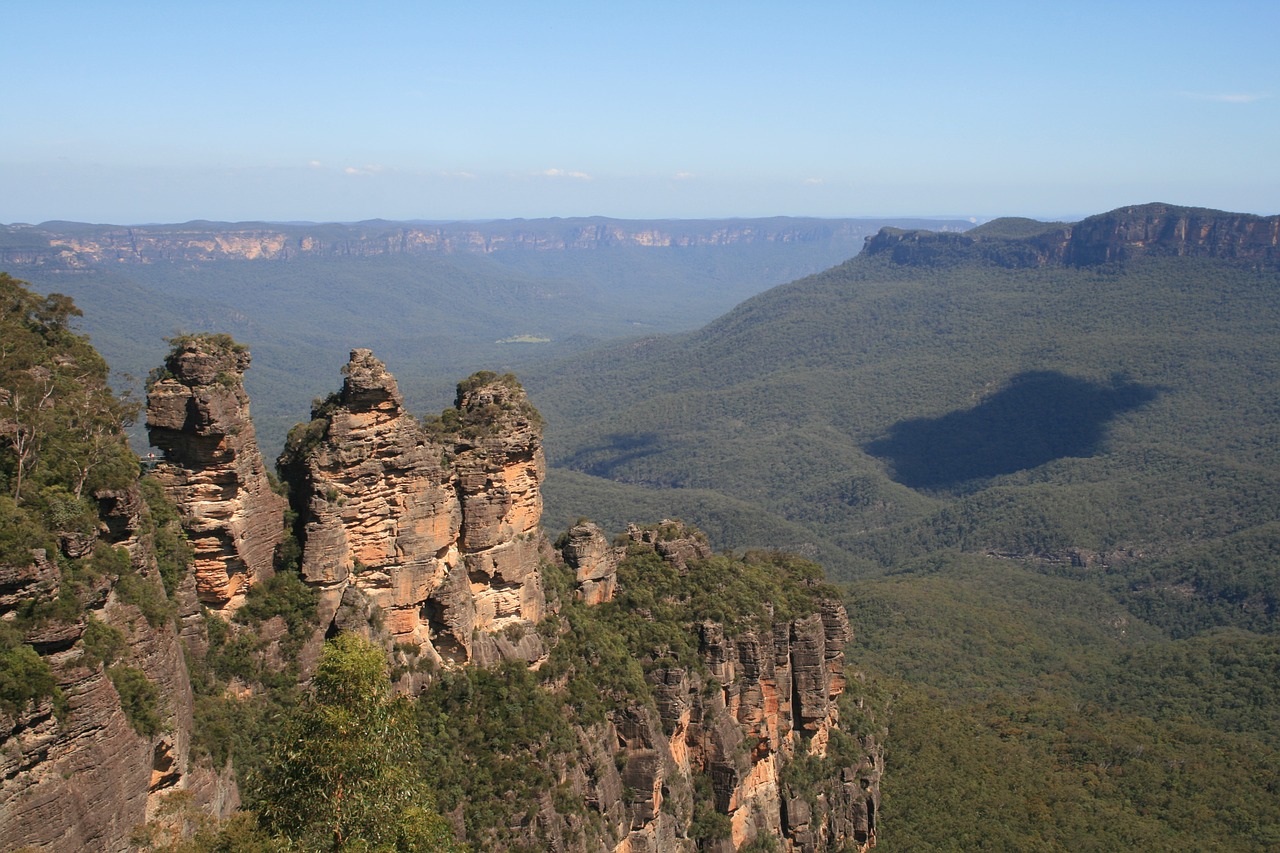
(728, 730)
(1146, 230)
(426, 535)
(437, 527)
(198, 415)
(759, 696)
(78, 245)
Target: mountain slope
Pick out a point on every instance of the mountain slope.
(853, 401)
(1046, 458)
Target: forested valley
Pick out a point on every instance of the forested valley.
(1038, 462)
(1050, 489)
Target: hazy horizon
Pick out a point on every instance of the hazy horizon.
(137, 112)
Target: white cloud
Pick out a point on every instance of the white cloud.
(813, 182)
(362, 170)
(684, 176)
(315, 164)
(563, 173)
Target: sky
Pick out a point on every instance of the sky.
(139, 112)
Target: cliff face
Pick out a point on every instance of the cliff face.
(748, 731)
(95, 697)
(81, 773)
(198, 415)
(593, 560)
(1121, 234)
(426, 535)
(438, 530)
(1163, 229)
(76, 244)
(769, 695)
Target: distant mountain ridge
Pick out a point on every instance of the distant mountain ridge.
(78, 244)
(1127, 232)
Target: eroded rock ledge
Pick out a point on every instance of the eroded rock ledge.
(759, 697)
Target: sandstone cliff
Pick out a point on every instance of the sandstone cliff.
(1164, 229)
(716, 725)
(723, 728)
(1119, 235)
(198, 415)
(81, 770)
(76, 244)
(767, 694)
(436, 528)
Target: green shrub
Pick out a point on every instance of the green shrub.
(102, 642)
(139, 699)
(20, 533)
(25, 677)
(131, 587)
(173, 552)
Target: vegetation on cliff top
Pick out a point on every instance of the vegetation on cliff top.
(524, 725)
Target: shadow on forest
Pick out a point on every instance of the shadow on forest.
(1038, 417)
(618, 449)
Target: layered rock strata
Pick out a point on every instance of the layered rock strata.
(78, 245)
(769, 695)
(198, 416)
(436, 528)
(76, 774)
(427, 536)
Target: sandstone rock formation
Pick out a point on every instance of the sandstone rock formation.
(776, 698)
(427, 535)
(32, 245)
(761, 697)
(79, 776)
(1165, 229)
(198, 415)
(436, 528)
(587, 551)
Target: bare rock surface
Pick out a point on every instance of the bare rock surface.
(439, 529)
(198, 415)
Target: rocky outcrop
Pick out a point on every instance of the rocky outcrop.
(1165, 229)
(727, 734)
(438, 529)
(426, 535)
(198, 416)
(933, 248)
(594, 561)
(675, 542)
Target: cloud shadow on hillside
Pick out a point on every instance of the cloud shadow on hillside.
(1039, 416)
(613, 453)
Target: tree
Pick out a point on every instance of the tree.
(342, 776)
(59, 420)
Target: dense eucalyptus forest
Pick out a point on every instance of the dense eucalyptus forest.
(1051, 490)
(1039, 462)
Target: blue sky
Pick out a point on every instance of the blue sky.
(132, 112)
